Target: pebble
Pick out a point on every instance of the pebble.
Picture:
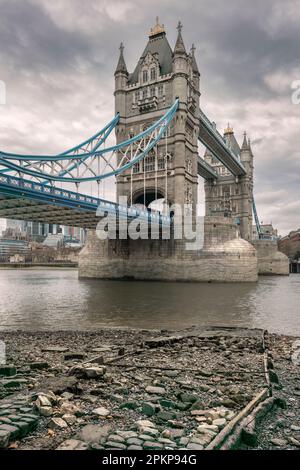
(57, 423)
(155, 390)
(278, 442)
(101, 411)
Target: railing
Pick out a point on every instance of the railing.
(91, 202)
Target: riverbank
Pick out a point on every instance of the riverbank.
(129, 389)
(37, 265)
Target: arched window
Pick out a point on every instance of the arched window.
(137, 96)
(145, 76)
(153, 74)
(145, 93)
(152, 91)
(160, 90)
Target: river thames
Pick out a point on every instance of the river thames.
(57, 300)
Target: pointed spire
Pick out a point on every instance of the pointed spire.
(121, 67)
(179, 46)
(250, 147)
(194, 63)
(228, 131)
(245, 142)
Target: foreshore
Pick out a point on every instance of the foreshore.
(196, 389)
(38, 265)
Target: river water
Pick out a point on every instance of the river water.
(56, 299)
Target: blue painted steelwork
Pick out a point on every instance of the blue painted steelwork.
(153, 134)
(22, 189)
(257, 223)
(213, 140)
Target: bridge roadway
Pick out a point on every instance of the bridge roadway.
(212, 139)
(27, 200)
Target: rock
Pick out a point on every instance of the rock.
(184, 441)
(38, 365)
(193, 446)
(46, 411)
(278, 442)
(188, 398)
(4, 439)
(69, 419)
(74, 355)
(129, 405)
(134, 447)
(93, 433)
(94, 372)
(150, 431)
(294, 442)
(135, 441)
(127, 434)
(58, 349)
(203, 428)
(12, 430)
(44, 406)
(295, 428)
(198, 413)
(7, 371)
(101, 411)
(59, 385)
(149, 445)
(155, 390)
(116, 438)
(166, 415)
(148, 409)
(220, 423)
(72, 444)
(57, 423)
(70, 408)
(171, 373)
(115, 445)
(144, 423)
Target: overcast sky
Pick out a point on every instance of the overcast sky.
(57, 59)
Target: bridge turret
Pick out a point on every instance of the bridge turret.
(121, 81)
(180, 68)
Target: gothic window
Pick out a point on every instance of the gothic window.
(161, 164)
(136, 168)
(145, 76)
(149, 163)
(152, 91)
(145, 93)
(137, 96)
(153, 74)
(160, 90)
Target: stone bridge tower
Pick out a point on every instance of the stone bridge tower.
(161, 75)
(231, 196)
(142, 97)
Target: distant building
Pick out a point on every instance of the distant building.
(54, 240)
(10, 248)
(267, 232)
(290, 245)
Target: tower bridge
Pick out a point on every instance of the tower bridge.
(158, 125)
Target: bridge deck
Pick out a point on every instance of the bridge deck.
(211, 138)
(27, 200)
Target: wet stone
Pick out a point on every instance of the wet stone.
(155, 390)
(134, 441)
(4, 438)
(38, 365)
(72, 444)
(149, 445)
(115, 445)
(7, 371)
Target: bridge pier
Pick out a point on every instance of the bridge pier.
(270, 260)
(224, 258)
